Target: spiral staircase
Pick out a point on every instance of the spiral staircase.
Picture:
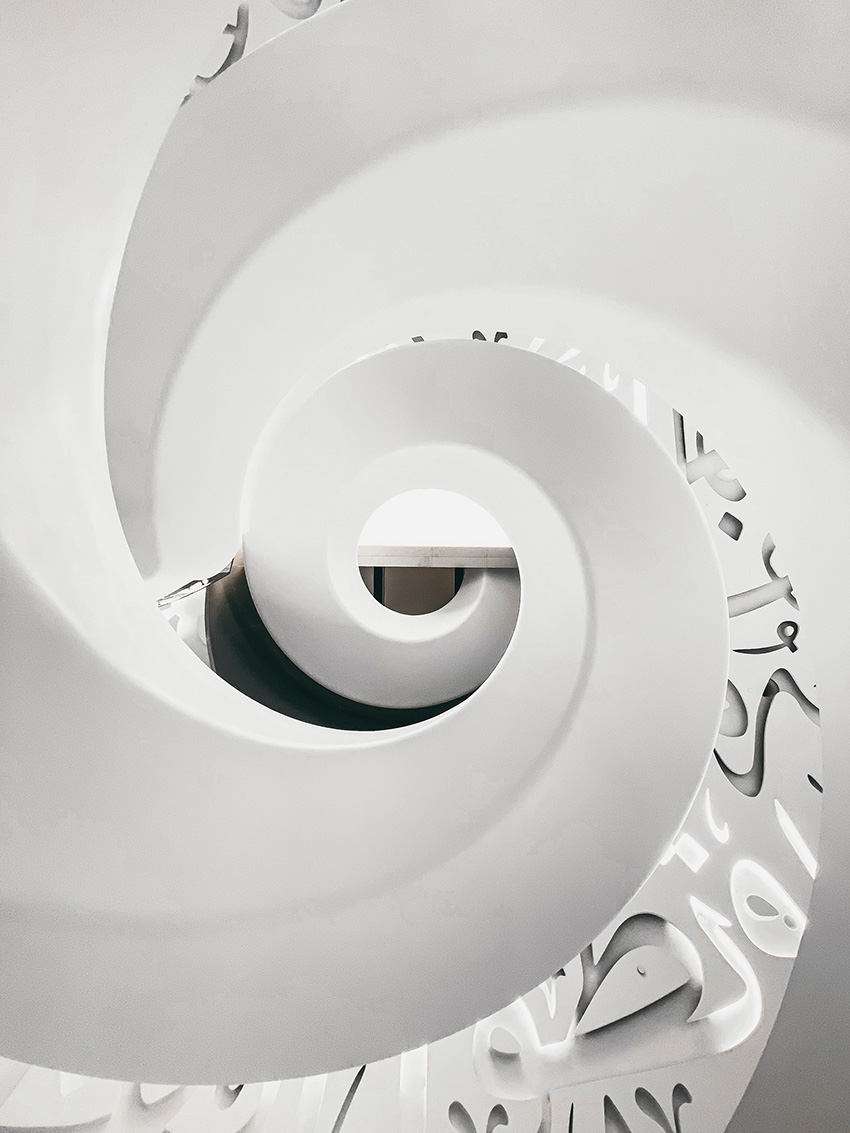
(567, 853)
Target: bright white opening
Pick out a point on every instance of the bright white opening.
(415, 547)
(432, 517)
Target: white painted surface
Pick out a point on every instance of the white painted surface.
(432, 517)
(172, 841)
(765, 312)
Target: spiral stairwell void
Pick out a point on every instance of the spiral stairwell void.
(199, 888)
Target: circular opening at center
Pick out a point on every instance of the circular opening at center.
(414, 549)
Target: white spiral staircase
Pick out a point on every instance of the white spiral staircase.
(569, 889)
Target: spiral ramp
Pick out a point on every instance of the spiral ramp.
(546, 858)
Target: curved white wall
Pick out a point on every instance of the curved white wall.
(709, 257)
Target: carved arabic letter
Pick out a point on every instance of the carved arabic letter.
(787, 634)
(778, 587)
(614, 1120)
(239, 32)
(663, 1033)
(730, 525)
(776, 932)
(641, 931)
(715, 470)
(649, 1105)
(750, 782)
(728, 1026)
(460, 1120)
(498, 1116)
(511, 1062)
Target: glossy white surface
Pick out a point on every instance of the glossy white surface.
(191, 879)
(757, 202)
(431, 517)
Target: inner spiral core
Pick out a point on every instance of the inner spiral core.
(415, 548)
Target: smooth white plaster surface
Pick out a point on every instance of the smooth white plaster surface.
(760, 326)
